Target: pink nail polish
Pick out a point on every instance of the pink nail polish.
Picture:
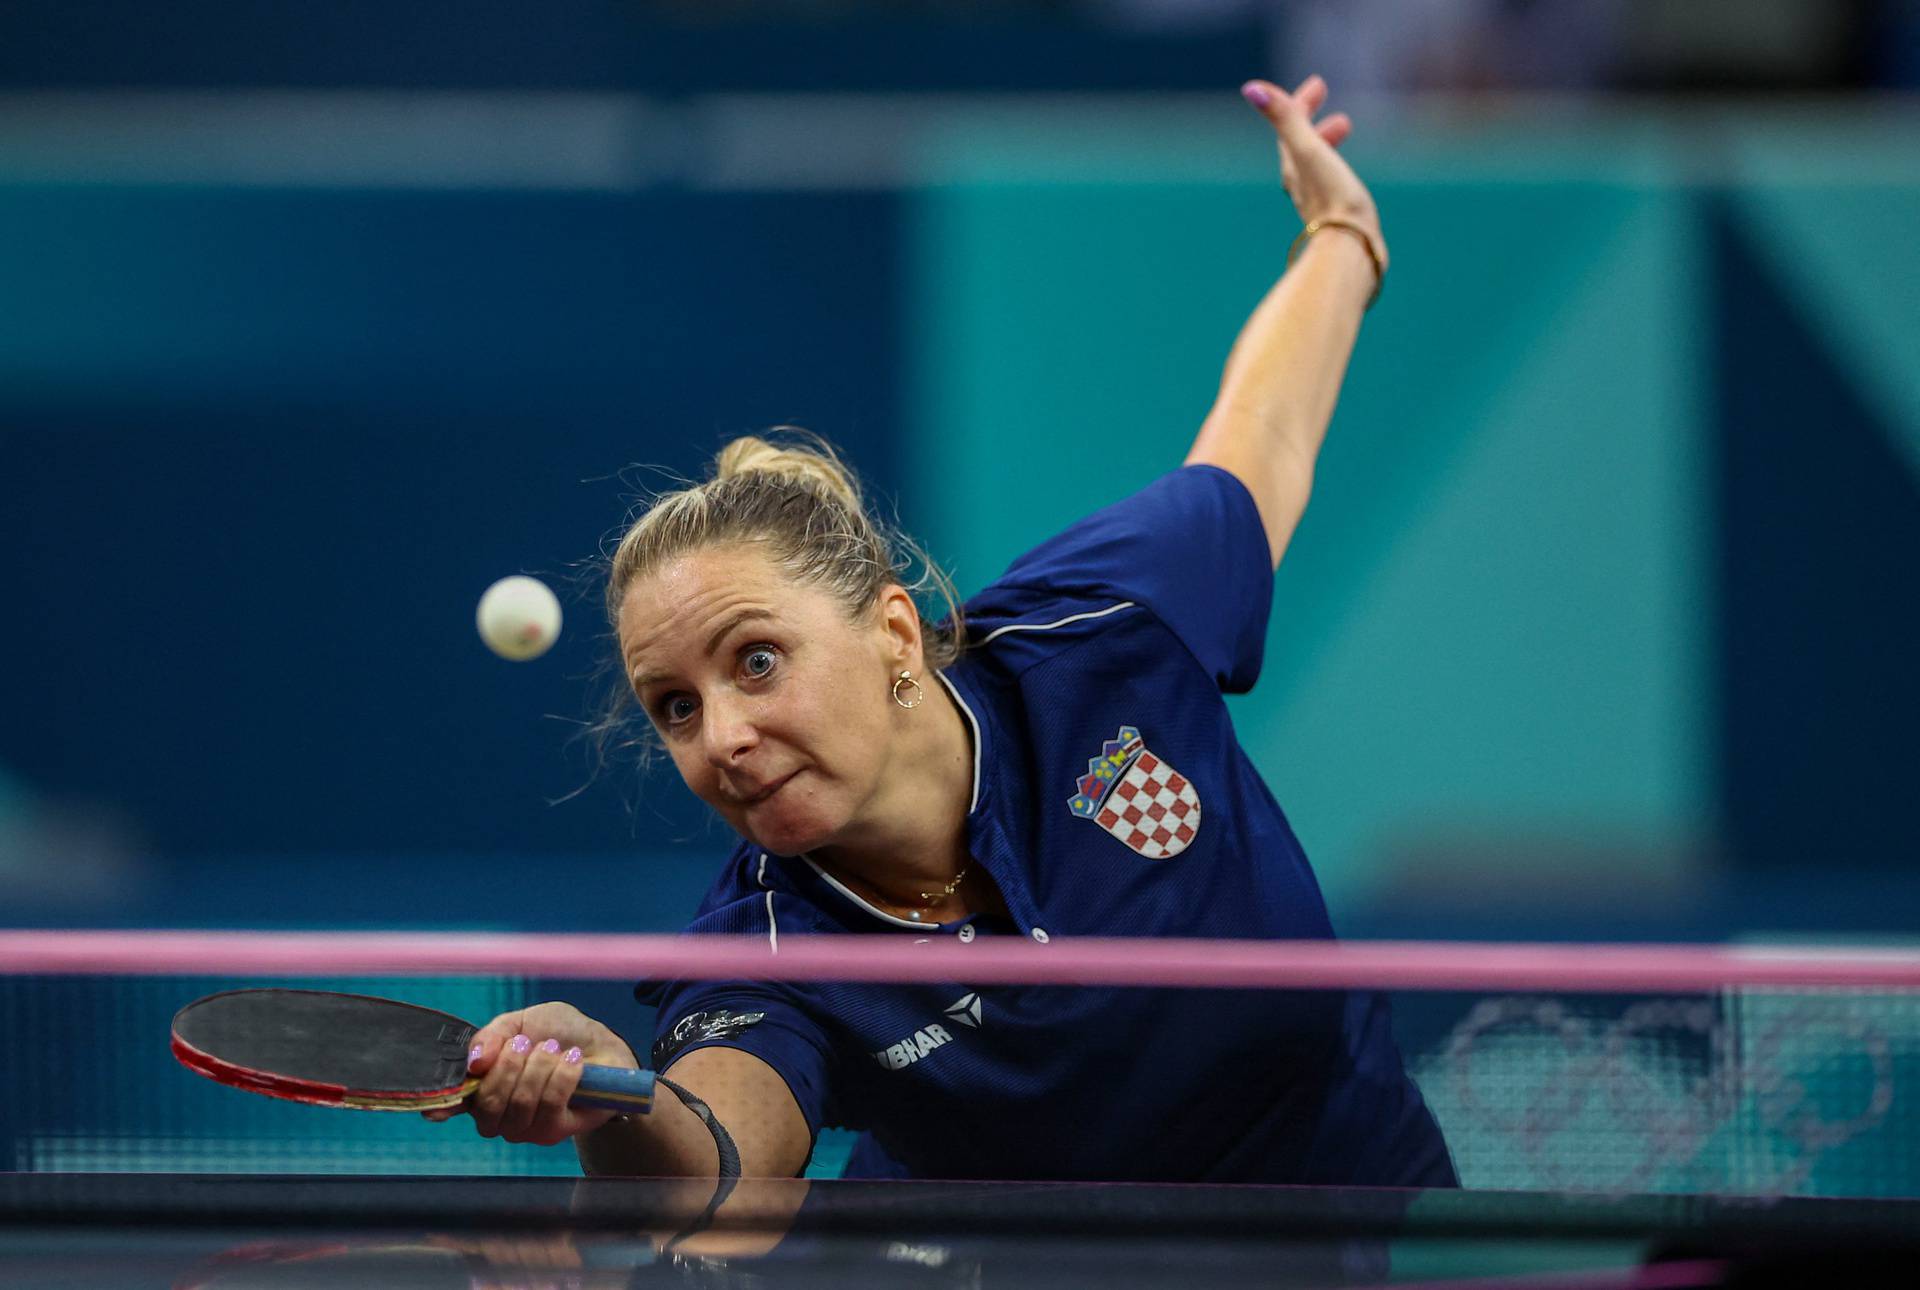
(550, 1046)
(520, 1044)
(573, 1057)
(473, 1055)
(1258, 95)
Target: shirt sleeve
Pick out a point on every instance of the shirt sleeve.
(780, 1023)
(1190, 548)
(771, 1023)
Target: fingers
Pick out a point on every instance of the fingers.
(539, 1101)
(491, 1038)
(1292, 114)
(488, 1041)
(501, 1100)
(529, 1064)
(1311, 94)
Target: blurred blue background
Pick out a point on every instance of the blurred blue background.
(316, 322)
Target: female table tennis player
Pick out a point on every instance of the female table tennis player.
(1060, 765)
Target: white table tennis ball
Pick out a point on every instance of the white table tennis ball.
(519, 618)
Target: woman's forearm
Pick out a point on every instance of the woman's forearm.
(740, 1098)
(1283, 374)
(668, 1142)
(1283, 378)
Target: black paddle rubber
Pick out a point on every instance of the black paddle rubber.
(315, 1045)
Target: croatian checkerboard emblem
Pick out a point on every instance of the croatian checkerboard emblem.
(1138, 798)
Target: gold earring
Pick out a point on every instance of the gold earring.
(919, 695)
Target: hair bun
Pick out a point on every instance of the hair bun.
(809, 460)
(789, 491)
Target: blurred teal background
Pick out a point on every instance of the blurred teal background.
(1601, 622)
(1598, 620)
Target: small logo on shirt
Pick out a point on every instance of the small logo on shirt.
(1138, 798)
(965, 1011)
(698, 1028)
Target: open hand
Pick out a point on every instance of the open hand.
(1317, 178)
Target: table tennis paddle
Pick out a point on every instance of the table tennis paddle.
(357, 1051)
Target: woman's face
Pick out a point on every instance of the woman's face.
(774, 705)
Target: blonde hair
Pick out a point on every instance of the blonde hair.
(804, 507)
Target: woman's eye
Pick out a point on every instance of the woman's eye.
(677, 709)
(759, 661)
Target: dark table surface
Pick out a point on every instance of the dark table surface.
(287, 1231)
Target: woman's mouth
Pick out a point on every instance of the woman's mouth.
(770, 789)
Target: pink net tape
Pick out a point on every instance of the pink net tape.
(1601, 968)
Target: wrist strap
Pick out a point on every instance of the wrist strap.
(1366, 240)
(729, 1163)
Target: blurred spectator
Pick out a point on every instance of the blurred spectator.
(1388, 46)
(1369, 48)
(1376, 48)
(1745, 44)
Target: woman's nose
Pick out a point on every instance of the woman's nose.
(730, 732)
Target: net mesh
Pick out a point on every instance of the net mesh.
(1775, 1092)
(1806, 1092)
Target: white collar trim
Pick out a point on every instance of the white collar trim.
(863, 902)
(973, 721)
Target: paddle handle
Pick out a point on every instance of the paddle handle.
(614, 1088)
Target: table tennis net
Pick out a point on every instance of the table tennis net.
(1756, 1091)
(1811, 1091)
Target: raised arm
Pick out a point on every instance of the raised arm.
(1284, 372)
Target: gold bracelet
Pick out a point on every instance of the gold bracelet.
(1366, 240)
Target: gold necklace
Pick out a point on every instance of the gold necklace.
(928, 899)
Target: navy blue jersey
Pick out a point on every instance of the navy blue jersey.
(1110, 798)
